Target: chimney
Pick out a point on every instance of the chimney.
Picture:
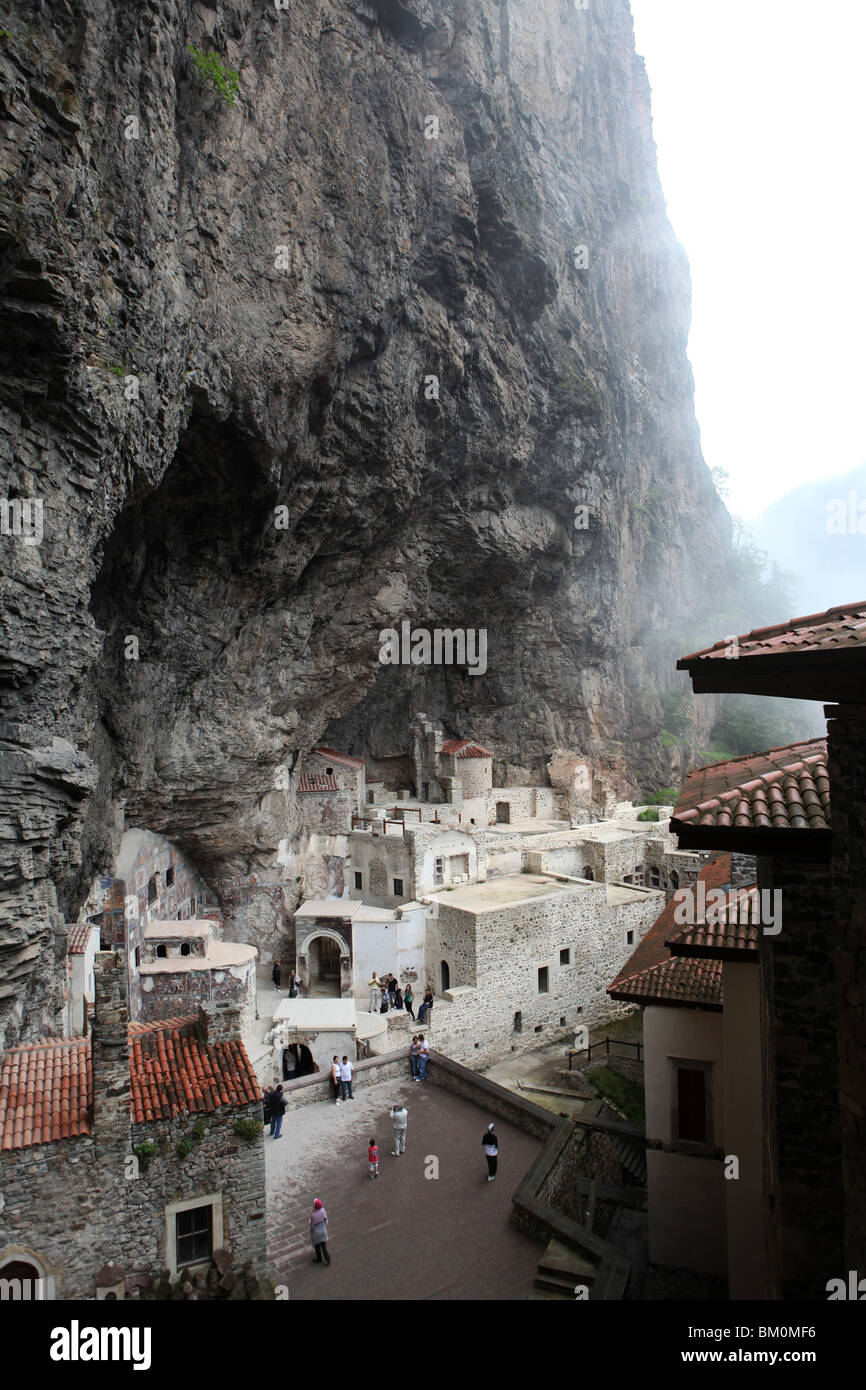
(219, 1023)
(109, 1050)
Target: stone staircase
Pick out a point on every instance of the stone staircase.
(560, 1269)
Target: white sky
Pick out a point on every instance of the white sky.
(759, 116)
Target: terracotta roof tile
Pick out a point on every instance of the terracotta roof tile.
(728, 931)
(652, 950)
(317, 782)
(682, 980)
(464, 748)
(332, 755)
(782, 789)
(79, 937)
(45, 1092)
(832, 630)
(46, 1088)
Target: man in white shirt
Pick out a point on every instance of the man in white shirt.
(423, 1056)
(346, 1070)
(375, 985)
(399, 1119)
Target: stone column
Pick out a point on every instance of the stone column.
(110, 1058)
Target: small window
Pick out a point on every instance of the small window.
(151, 890)
(692, 1117)
(445, 975)
(538, 1027)
(562, 1021)
(193, 1230)
(654, 878)
(161, 952)
(371, 797)
(543, 986)
(565, 957)
(586, 872)
(398, 887)
(169, 877)
(329, 771)
(138, 955)
(518, 1022)
(184, 948)
(675, 879)
(359, 880)
(629, 938)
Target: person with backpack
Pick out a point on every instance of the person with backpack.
(278, 1110)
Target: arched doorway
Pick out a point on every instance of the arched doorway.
(19, 1279)
(297, 1061)
(324, 956)
(445, 973)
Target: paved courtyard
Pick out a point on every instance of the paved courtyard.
(402, 1235)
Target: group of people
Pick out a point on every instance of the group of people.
(400, 1120)
(294, 982)
(386, 994)
(341, 1079)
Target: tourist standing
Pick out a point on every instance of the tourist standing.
(398, 999)
(399, 1119)
(490, 1145)
(276, 975)
(408, 998)
(423, 1056)
(293, 984)
(335, 1079)
(383, 1001)
(373, 1158)
(346, 1070)
(414, 1054)
(319, 1232)
(278, 1110)
(266, 1104)
(392, 990)
(375, 987)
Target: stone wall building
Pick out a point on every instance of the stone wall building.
(183, 964)
(122, 1147)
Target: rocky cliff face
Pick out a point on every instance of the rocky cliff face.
(170, 377)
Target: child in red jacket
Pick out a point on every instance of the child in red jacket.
(373, 1156)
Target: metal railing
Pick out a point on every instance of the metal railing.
(635, 1050)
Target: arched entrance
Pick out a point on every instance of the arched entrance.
(297, 1061)
(446, 975)
(324, 957)
(19, 1279)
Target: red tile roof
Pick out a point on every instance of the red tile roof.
(681, 980)
(45, 1092)
(317, 782)
(781, 789)
(464, 748)
(331, 755)
(173, 1071)
(651, 975)
(79, 937)
(46, 1088)
(728, 932)
(844, 626)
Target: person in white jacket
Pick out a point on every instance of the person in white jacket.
(399, 1119)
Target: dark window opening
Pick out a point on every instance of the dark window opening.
(518, 1022)
(162, 952)
(184, 948)
(169, 877)
(398, 887)
(138, 955)
(359, 880)
(586, 872)
(446, 976)
(151, 890)
(538, 1027)
(562, 1021)
(629, 938)
(675, 879)
(565, 957)
(371, 796)
(543, 987)
(193, 1233)
(691, 1105)
(329, 771)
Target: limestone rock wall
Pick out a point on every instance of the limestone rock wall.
(170, 377)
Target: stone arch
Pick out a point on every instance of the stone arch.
(19, 1262)
(325, 970)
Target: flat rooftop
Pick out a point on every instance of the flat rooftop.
(328, 907)
(317, 1015)
(195, 928)
(403, 1235)
(504, 889)
(221, 955)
